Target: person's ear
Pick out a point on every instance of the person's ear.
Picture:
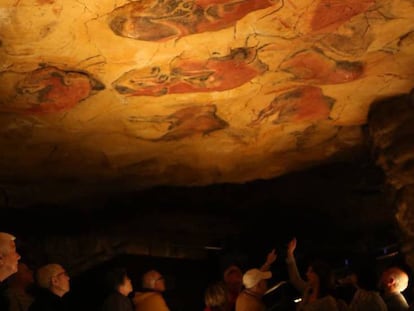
(391, 281)
(53, 280)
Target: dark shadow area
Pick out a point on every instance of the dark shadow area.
(185, 281)
(338, 212)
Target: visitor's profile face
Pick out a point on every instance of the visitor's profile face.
(127, 285)
(61, 280)
(159, 283)
(233, 275)
(11, 259)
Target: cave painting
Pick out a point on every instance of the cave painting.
(306, 103)
(313, 66)
(49, 89)
(187, 122)
(152, 20)
(330, 14)
(188, 76)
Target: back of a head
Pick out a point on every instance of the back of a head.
(232, 272)
(233, 278)
(114, 278)
(398, 278)
(45, 273)
(216, 296)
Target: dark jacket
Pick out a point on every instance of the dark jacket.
(117, 302)
(4, 302)
(47, 301)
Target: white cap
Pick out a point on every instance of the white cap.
(253, 276)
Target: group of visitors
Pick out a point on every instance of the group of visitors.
(52, 284)
(318, 291)
(236, 291)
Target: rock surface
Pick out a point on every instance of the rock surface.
(130, 94)
(391, 131)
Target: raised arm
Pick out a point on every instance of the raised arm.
(270, 259)
(294, 276)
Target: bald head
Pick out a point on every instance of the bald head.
(394, 280)
(152, 279)
(54, 278)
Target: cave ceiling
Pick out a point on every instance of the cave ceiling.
(115, 94)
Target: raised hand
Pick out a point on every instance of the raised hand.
(271, 257)
(291, 246)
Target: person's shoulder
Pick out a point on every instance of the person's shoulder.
(147, 295)
(116, 301)
(110, 297)
(157, 296)
(154, 299)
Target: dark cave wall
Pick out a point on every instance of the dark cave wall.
(335, 210)
(391, 133)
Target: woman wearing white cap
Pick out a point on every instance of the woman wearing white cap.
(255, 286)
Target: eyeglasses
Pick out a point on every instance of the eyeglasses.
(61, 273)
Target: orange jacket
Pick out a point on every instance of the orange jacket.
(149, 301)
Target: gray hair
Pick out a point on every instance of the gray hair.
(5, 239)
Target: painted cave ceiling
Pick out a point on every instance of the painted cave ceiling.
(133, 94)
